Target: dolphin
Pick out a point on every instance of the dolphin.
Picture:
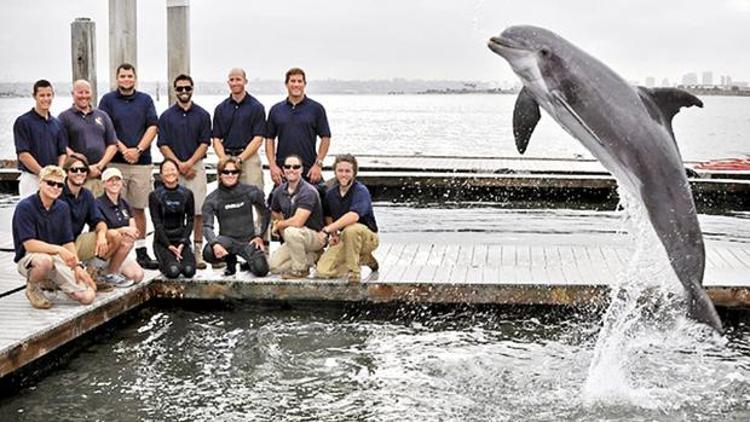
(628, 129)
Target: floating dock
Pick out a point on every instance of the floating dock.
(410, 273)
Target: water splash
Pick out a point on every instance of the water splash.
(646, 315)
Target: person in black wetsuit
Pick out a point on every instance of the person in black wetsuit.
(172, 208)
(232, 203)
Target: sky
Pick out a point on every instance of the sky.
(385, 39)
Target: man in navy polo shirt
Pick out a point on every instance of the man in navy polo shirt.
(184, 136)
(43, 241)
(297, 121)
(90, 132)
(39, 139)
(239, 128)
(350, 224)
(136, 124)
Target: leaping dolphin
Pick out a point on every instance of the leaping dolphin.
(627, 128)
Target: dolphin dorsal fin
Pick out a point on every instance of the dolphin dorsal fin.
(525, 117)
(669, 101)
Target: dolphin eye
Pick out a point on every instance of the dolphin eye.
(544, 52)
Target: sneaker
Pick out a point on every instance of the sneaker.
(371, 262)
(353, 278)
(145, 261)
(103, 287)
(117, 280)
(293, 275)
(36, 297)
(199, 262)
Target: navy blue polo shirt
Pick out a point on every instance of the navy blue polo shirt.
(297, 127)
(43, 138)
(183, 131)
(115, 215)
(88, 133)
(305, 196)
(237, 123)
(32, 221)
(357, 199)
(83, 209)
(131, 116)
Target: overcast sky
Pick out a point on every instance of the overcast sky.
(383, 39)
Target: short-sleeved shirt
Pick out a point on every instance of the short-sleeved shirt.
(131, 116)
(305, 197)
(183, 131)
(115, 215)
(88, 133)
(297, 127)
(43, 138)
(32, 221)
(83, 209)
(356, 199)
(237, 123)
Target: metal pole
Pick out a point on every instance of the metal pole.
(178, 41)
(83, 53)
(123, 42)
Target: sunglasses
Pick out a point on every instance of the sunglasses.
(78, 169)
(230, 172)
(54, 184)
(183, 88)
(292, 166)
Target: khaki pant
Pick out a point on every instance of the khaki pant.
(86, 245)
(197, 185)
(60, 274)
(137, 183)
(95, 185)
(28, 184)
(356, 245)
(252, 172)
(299, 252)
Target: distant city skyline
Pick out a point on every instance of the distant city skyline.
(387, 39)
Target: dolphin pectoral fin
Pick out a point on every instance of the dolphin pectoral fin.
(525, 117)
(561, 100)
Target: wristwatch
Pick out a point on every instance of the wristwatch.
(319, 163)
(140, 151)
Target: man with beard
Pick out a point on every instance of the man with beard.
(184, 137)
(135, 120)
(351, 225)
(39, 138)
(89, 132)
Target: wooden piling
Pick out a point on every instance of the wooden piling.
(83, 53)
(178, 41)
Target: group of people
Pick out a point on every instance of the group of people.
(92, 167)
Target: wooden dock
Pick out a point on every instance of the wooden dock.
(502, 274)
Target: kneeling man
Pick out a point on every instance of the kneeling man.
(351, 225)
(43, 240)
(298, 217)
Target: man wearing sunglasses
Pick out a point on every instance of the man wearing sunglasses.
(232, 203)
(184, 137)
(43, 241)
(298, 216)
(39, 139)
(89, 132)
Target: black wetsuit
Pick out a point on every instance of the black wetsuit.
(172, 212)
(233, 207)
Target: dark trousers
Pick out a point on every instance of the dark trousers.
(254, 257)
(170, 266)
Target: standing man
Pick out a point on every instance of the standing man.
(184, 137)
(134, 117)
(298, 217)
(39, 139)
(43, 240)
(297, 122)
(90, 133)
(351, 225)
(239, 127)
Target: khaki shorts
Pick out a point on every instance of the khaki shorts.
(137, 183)
(86, 245)
(95, 186)
(252, 172)
(61, 275)
(197, 185)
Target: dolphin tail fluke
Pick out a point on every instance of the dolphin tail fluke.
(701, 309)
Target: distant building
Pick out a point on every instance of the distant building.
(650, 82)
(665, 82)
(708, 78)
(690, 79)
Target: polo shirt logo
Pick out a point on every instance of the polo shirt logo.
(99, 121)
(234, 206)
(125, 213)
